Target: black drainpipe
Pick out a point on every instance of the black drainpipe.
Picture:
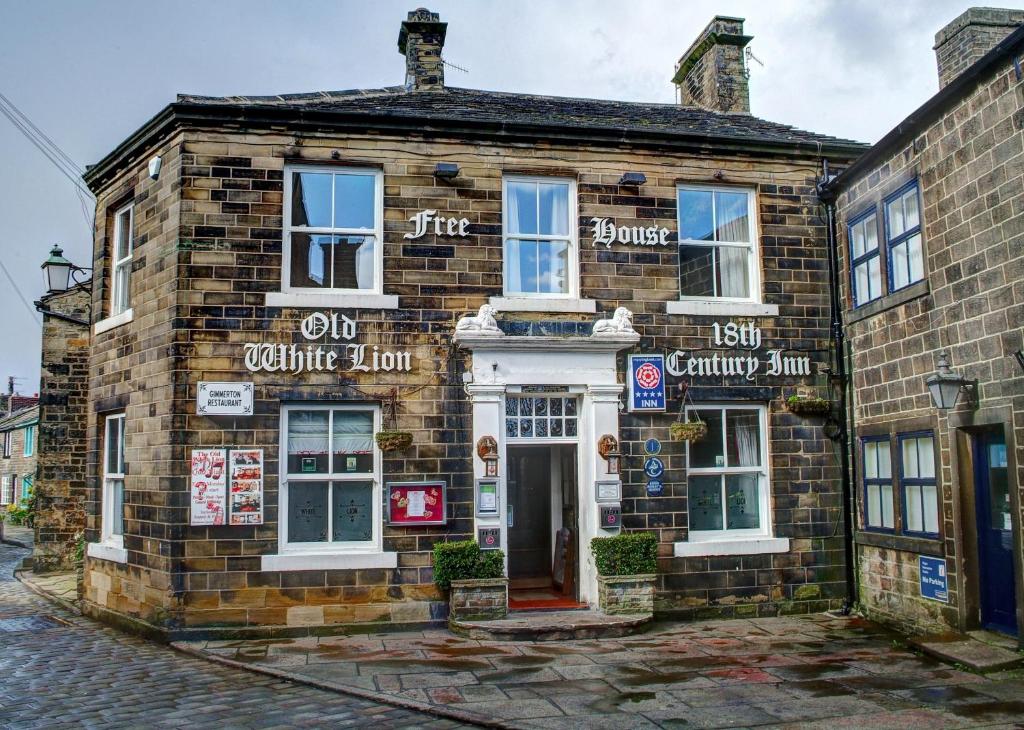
(841, 432)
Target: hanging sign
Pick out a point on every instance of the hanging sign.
(441, 226)
(208, 502)
(743, 336)
(246, 499)
(416, 503)
(934, 583)
(295, 359)
(646, 383)
(224, 399)
(606, 233)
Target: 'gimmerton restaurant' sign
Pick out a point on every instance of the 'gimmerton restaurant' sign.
(297, 359)
(734, 335)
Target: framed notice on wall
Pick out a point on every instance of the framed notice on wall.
(246, 492)
(486, 497)
(417, 503)
(208, 494)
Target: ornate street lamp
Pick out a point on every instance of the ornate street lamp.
(58, 272)
(945, 385)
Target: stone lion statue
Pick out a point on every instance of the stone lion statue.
(621, 323)
(483, 322)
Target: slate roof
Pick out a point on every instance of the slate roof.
(20, 419)
(473, 105)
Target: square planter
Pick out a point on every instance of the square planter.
(626, 593)
(478, 600)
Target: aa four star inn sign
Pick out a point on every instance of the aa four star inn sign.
(646, 383)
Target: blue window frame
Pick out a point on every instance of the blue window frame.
(29, 446)
(903, 246)
(919, 490)
(865, 258)
(879, 505)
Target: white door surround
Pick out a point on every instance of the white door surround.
(583, 365)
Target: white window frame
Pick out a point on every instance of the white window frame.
(118, 266)
(7, 444)
(370, 547)
(110, 479)
(28, 436)
(763, 472)
(6, 489)
(377, 232)
(753, 247)
(573, 273)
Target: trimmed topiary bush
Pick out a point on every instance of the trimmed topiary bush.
(464, 560)
(631, 553)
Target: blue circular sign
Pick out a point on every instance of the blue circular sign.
(655, 488)
(654, 467)
(652, 446)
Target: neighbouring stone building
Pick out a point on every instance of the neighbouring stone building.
(280, 280)
(931, 242)
(62, 447)
(18, 449)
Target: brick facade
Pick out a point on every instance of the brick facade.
(966, 39)
(15, 466)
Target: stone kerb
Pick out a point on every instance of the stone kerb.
(617, 594)
(479, 599)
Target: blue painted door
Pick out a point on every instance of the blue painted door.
(995, 533)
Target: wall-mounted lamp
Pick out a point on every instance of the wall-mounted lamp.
(1019, 356)
(608, 448)
(58, 272)
(446, 170)
(945, 385)
(154, 167)
(632, 178)
(487, 450)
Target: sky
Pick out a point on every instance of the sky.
(89, 73)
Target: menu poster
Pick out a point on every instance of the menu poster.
(209, 487)
(416, 503)
(246, 486)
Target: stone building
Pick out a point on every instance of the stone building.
(279, 279)
(62, 446)
(18, 450)
(930, 225)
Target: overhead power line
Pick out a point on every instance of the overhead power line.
(21, 296)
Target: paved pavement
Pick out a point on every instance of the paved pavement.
(17, 534)
(59, 670)
(801, 672)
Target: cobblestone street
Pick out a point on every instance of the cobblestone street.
(58, 670)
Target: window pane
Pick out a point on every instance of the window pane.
(895, 213)
(870, 459)
(704, 500)
(521, 198)
(870, 234)
(511, 427)
(915, 520)
(875, 277)
(353, 201)
(930, 498)
(124, 234)
(916, 258)
(884, 460)
(862, 291)
(857, 240)
(695, 220)
(911, 215)
(743, 438)
(311, 199)
(113, 446)
(926, 457)
(353, 442)
(900, 266)
(553, 263)
(733, 272)
(122, 287)
(554, 209)
(307, 442)
(708, 452)
(521, 266)
(570, 426)
(117, 507)
(353, 511)
(743, 508)
(696, 271)
(731, 217)
(307, 512)
(888, 515)
(353, 262)
(874, 505)
(310, 260)
(910, 459)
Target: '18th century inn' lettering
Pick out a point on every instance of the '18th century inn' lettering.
(736, 335)
(297, 359)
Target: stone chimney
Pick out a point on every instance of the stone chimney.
(712, 74)
(421, 40)
(971, 36)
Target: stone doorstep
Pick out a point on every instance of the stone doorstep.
(566, 625)
(971, 652)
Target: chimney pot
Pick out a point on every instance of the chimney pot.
(712, 73)
(421, 41)
(970, 36)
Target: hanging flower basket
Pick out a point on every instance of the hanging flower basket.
(803, 406)
(692, 431)
(393, 440)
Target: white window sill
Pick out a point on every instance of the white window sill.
(325, 300)
(328, 561)
(111, 322)
(107, 551)
(543, 304)
(722, 309)
(736, 546)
